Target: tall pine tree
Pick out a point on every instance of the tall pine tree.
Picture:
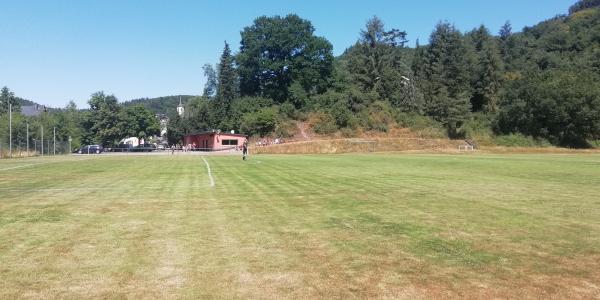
(377, 65)
(444, 78)
(505, 40)
(227, 90)
(487, 70)
(227, 83)
(7, 97)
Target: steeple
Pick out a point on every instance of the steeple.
(180, 108)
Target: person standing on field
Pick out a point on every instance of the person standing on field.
(245, 149)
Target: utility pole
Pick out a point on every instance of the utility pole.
(42, 141)
(70, 139)
(27, 140)
(54, 141)
(9, 129)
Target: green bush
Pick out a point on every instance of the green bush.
(342, 115)
(259, 123)
(519, 140)
(246, 105)
(561, 106)
(323, 123)
(285, 129)
(424, 125)
(479, 128)
(380, 116)
(302, 116)
(288, 110)
(348, 132)
(595, 143)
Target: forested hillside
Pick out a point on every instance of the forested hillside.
(536, 87)
(160, 105)
(25, 102)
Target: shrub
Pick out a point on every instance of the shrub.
(342, 115)
(348, 132)
(519, 140)
(288, 110)
(479, 128)
(595, 143)
(323, 123)
(562, 106)
(424, 125)
(285, 129)
(246, 105)
(380, 116)
(260, 123)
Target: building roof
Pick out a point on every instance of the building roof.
(212, 132)
(31, 110)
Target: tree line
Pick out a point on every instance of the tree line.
(106, 122)
(541, 83)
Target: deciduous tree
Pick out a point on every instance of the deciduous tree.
(8, 97)
(277, 51)
(103, 120)
(137, 121)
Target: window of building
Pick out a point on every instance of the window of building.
(230, 142)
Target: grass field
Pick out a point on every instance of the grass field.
(338, 226)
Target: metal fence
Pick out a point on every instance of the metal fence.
(20, 148)
(20, 137)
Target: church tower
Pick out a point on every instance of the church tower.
(180, 108)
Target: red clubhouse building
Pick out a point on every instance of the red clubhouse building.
(214, 140)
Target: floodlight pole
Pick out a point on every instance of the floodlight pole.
(54, 141)
(27, 139)
(42, 141)
(9, 129)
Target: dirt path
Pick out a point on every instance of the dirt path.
(302, 128)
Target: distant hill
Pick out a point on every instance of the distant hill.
(565, 42)
(584, 4)
(25, 102)
(160, 105)
(31, 109)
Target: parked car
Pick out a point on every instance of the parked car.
(91, 149)
(144, 148)
(122, 148)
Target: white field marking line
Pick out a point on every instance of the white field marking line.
(212, 180)
(23, 166)
(41, 163)
(52, 189)
(74, 189)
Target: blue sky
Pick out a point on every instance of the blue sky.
(55, 51)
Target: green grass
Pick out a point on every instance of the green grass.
(341, 226)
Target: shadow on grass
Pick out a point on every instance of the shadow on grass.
(421, 241)
(36, 216)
